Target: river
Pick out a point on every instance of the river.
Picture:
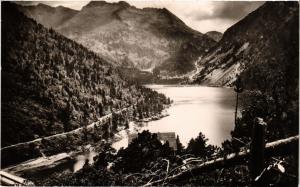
(209, 110)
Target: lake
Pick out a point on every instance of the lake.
(209, 110)
(195, 109)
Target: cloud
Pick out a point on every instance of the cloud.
(200, 15)
(233, 9)
(204, 16)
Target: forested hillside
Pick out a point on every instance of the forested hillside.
(51, 84)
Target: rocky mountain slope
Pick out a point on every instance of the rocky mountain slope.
(262, 47)
(51, 84)
(49, 16)
(215, 35)
(123, 34)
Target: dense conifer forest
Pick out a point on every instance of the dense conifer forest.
(51, 84)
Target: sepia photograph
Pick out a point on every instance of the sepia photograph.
(149, 93)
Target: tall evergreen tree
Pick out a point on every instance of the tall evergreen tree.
(179, 145)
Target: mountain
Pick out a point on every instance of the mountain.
(51, 84)
(215, 35)
(49, 16)
(123, 34)
(262, 47)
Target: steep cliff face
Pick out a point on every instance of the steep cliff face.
(125, 35)
(51, 84)
(261, 47)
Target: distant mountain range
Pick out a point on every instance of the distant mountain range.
(262, 47)
(155, 38)
(125, 35)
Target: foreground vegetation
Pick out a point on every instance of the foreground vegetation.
(153, 161)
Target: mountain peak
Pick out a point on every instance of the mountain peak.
(61, 7)
(104, 3)
(124, 4)
(44, 6)
(96, 3)
(215, 35)
(121, 33)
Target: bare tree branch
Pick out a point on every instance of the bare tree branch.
(279, 147)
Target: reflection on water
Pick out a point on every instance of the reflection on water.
(195, 109)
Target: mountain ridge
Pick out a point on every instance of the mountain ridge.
(50, 16)
(146, 38)
(261, 38)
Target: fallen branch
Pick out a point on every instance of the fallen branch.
(279, 147)
(168, 164)
(167, 172)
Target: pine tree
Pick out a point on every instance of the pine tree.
(179, 145)
(198, 146)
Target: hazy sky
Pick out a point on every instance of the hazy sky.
(198, 14)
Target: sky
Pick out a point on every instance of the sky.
(200, 15)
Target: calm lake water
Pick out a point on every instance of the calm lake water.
(209, 110)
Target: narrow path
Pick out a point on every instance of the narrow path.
(38, 162)
(69, 132)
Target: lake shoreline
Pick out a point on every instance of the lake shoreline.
(135, 126)
(188, 85)
(199, 108)
(44, 163)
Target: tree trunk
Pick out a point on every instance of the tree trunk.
(257, 151)
(280, 147)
